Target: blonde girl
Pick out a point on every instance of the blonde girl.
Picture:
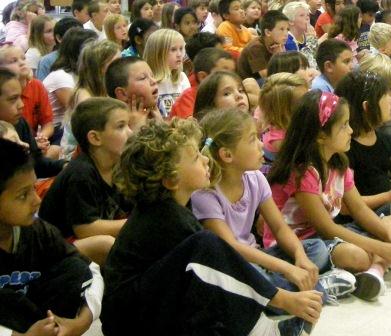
(164, 52)
(252, 12)
(116, 29)
(94, 60)
(41, 40)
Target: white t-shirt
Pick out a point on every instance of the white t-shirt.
(91, 26)
(169, 92)
(58, 79)
(33, 56)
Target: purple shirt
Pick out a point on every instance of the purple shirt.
(239, 216)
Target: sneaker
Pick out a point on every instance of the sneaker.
(294, 327)
(338, 284)
(369, 286)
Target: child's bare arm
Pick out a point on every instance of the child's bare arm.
(99, 227)
(45, 327)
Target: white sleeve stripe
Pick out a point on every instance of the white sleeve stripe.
(5, 331)
(94, 293)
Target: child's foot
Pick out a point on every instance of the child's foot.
(369, 286)
(338, 284)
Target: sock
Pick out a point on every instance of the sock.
(376, 269)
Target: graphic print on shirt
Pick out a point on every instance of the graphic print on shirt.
(18, 281)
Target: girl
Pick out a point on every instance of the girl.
(347, 28)
(93, 62)
(370, 150)
(277, 100)
(116, 29)
(311, 178)
(142, 9)
(252, 12)
(163, 252)
(62, 79)
(168, 14)
(326, 19)
(221, 89)
(185, 22)
(138, 34)
(114, 6)
(41, 40)
(164, 53)
(157, 8)
(238, 191)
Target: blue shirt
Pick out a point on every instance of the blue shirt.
(45, 65)
(322, 83)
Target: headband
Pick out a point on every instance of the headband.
(327, 106)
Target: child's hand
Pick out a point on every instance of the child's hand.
(69, 327)
(45, 327)
(300, 277)
(138, 114)
(307, 305)
(309, 266)
(276, 48)
(42, 142)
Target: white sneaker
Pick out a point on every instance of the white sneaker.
(369, 286)
(337, 283)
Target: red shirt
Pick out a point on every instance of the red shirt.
(184, 104)
(37, 109)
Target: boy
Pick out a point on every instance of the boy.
(46, 288)
(368, 12)
(380, 38)
(79, 10)
(200, 8)
(335, 60)
(256, 55)
(236, 36)
(82, 201)
(314, 6)
(97, 10)
(215, 16)
(11, 110)
(207, 61)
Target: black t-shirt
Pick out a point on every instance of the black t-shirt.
(79, 195)
(151, 232)
(371, 165)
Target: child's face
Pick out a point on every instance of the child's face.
(368, 18)
(142, 83)
(339, 5)
(248, 153)
(236, 13)
(48, 35)
(230, 93)
(279, 34)
(306, 73)
(302, 19)
(193, 169)
(82, 16)
(175, 54)
(15, 61)
(146, 11)
(224, 64)
(121, 30)
(342, 66)
(11, 104)
(188, 26)
(253, 11)
(13, 136)
(385, 107)
(114, 6)
(19, 202)
(116, 133)
(314, 4)
(157, 9)
(201, 12)
(100, 16)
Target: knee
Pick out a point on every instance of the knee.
(351, 257)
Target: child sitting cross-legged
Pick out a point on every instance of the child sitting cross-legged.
(83, 202)
(46, 287)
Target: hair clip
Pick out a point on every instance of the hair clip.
(208, 142)
(327, 106)
(139, 30)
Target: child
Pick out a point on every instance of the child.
(221, 89)
(82, 201)
(162, 252)
(368, 10)
(326, 19)
(236, 36)
(370, 150)
(97, 10)
(207, 61)
(256, 55)
(142, 9)
(277, 100)
(93, 62)
(200, 8)
(114, 6)
(185, 22)
(116, 29)
(346, 28)
(138, 34)
(314, 8)
(335, 60)
(79, 10)
(380, 38)
(214, 23)
(157, 9)
(310, 179)
(41, 40)
(168, 11)
(252, 13)
(131, 80)
(38, 269)
(164, 53)
(238, 191)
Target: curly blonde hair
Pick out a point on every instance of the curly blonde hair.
(152, 155)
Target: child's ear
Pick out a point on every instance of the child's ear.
(121, 94)
(267, 32)
(94, 138)
(201, 76)
(328, 67)
(170, 184)
(138, 40)
(225, 155)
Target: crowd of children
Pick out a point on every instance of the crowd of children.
(192, 167)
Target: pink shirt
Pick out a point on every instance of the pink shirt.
(16, 32)
(284, 196)
(273, 134)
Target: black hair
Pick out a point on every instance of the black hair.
(357, 87)
(224, 7)
(137, 6)
(181, 12)
(367, 6)
(79, 5)
(206, 59)
(70, 48)
(270, 19)
(300, 149)
(5, 76)
(290, 61)
(138, 28)
(117, 73)
(330, 50)
(63, 25)
(14, 159)
(200, 41)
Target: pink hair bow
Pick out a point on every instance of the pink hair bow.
(327, 106)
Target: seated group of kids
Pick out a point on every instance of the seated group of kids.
(199, 203)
